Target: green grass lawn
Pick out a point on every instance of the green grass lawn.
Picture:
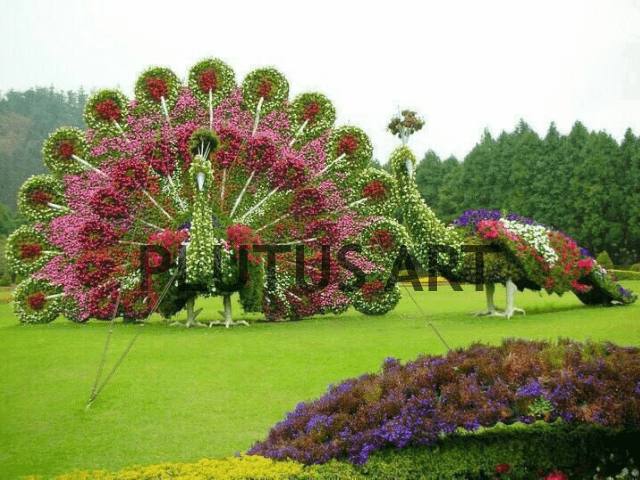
(182, 395)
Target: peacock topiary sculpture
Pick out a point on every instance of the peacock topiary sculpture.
(490, 247)
(150, 206)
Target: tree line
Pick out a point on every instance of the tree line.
(26, 120)
(584, 184)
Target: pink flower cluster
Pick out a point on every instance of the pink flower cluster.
(494, 229)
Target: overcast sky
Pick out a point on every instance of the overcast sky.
(464, 66)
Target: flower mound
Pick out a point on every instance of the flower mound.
(418, 403)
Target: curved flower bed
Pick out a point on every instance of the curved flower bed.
(435, 397)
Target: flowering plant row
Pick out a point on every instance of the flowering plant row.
(434, 397)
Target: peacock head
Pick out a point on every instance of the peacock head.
(403, 163)
(200, 173)
(203, 142)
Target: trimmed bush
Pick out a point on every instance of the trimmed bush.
(604, 259)
(424, 401)
(635, 267)
(538, 451)
(625, 275)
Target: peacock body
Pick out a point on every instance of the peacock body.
(192, 172)
(516, 252)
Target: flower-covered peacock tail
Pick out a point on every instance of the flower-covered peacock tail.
(195, 172)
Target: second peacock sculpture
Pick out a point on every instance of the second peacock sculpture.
(516, 252)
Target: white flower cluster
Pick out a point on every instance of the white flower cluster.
(131, 282)
(535, 235)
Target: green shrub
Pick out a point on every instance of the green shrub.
(625, 275)
(604, 259)
(520, 451)
(635, 267)
(5, 280)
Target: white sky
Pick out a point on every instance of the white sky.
(464, 66)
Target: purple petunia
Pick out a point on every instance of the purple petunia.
(532, 389)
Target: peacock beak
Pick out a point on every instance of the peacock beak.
(409, 167)
(200, 180)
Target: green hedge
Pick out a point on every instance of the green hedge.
(530, 451)
(625, 275)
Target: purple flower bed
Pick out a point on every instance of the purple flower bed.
(432, 397)
(470, 218)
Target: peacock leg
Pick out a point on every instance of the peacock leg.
(191, 315)
(490, 289)
(511, 309)
(228, 322)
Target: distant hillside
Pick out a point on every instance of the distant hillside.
(26, 119)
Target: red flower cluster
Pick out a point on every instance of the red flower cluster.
(347, 145)
(264, 90)
(310, 111)
(40, 196)
(383, 240)
(160, 157)
(96, 234)
(108, 110)
(261, 154)
(109, 203)
(290, 172)
(587, 265)
(557, 475)
(375, 190)
(231, 142)
(170, 240)
(94, 267)
(579, 287)
(208, 80)
(66, 149)
(239, 234)
(129, 174)
(181, 140)
(157, 88)
(36, 301)
(308, 201)
(138, 303)
(493, 229)
(371, 289)
(102, 300)
(502, 468)
(570, 265)
(30, 251)
(325, 231)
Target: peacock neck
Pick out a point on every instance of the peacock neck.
(424, 227)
